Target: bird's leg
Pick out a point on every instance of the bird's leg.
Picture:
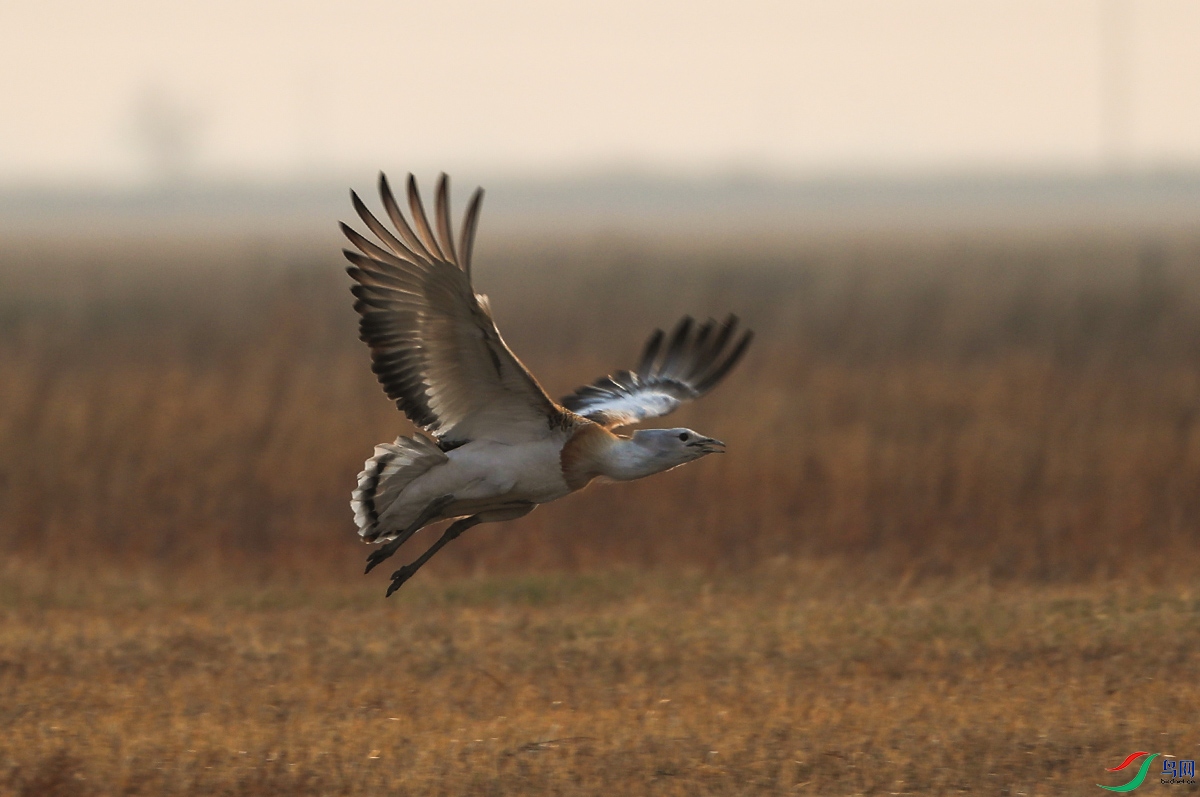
(406, 572)
(505, 512)
(428, 514)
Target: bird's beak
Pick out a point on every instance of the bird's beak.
(712, 446)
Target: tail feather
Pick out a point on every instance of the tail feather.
(384, 477)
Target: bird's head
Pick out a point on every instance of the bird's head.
(671, 447)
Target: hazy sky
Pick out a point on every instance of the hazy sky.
(266, 89)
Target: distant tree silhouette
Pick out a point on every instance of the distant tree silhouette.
(166, 131)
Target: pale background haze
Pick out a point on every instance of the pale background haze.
(119, 92)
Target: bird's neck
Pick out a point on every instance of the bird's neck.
(624, 460)
(594, 451)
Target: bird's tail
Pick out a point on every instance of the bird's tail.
(385, 476)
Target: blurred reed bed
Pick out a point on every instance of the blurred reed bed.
(1018, 407)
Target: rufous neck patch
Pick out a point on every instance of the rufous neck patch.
(583, 454)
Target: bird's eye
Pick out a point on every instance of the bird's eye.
(683, 436)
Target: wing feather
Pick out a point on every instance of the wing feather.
(650, 353)
(397, 217)
(443, 218)
(466, 244)
(675, 349)
(434, 346)
(369, 249)
(382, 232)
(692, 364)
(720, 370)
(417, 209)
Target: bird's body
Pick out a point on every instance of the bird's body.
(483, 475)
(500, 446)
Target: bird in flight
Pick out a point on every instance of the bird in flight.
(496, 445)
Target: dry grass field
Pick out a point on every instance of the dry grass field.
(788, 682)
(954, 546)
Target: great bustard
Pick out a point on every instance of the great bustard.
(500, 446)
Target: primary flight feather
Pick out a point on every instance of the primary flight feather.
(498, 444)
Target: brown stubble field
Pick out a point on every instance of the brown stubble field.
(954, 545)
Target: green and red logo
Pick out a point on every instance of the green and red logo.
(1141, 773)
(1174, 770)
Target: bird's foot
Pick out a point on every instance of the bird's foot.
(428, 514)
(399, 577)
(377, 556)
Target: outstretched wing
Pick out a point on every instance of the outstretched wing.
(434, 346)
(693, 361)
